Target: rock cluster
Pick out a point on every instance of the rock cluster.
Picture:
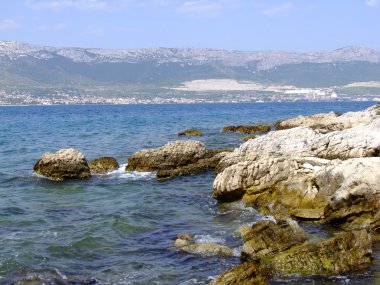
(322, 168)
(309, 175)
(69, 163)
(176, 158)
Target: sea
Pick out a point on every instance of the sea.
(119, 228)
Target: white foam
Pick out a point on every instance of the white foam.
(208, 239)
(236, 251)
(128, 175)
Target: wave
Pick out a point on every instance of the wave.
(121, 173)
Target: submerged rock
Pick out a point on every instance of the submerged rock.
(64, 164)
(103, 165)
(248, 129)
(190, 132)
(187, 244)
(176, 159)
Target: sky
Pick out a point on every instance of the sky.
(248, 25)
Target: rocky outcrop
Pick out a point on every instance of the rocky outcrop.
(186, 243)
(282, 172)
(103, 165)
(64, 164)
(248, 129)
(190, 132)
(325, 123)
(269, 237)
(247, 273)
(345, 252)
(176, 158)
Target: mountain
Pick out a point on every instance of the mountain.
(29, 67)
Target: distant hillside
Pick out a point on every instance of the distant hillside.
(24, 65)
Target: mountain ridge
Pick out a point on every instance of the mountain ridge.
(265, 60)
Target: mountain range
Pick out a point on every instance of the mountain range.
(27, 66)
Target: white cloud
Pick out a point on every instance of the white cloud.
(7, 24)
(56, 27)
(371, 3)
(200, 8)
(95, 31)
(74, 4)
(277, 10)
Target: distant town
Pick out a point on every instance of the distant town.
(169, 96)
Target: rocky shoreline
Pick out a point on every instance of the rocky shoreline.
(322, 168)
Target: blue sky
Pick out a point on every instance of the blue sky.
(293, 25)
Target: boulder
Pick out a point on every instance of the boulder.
(64, 164)
(248, 129)
(325, 123)
(176, 159)
(171, 155)
(186, 243)
(190, 132)
(103, 165)
(269, 238)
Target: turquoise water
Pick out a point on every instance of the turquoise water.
(119, 228)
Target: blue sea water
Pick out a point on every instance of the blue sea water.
(119, 228)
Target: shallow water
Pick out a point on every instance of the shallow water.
(119, 228)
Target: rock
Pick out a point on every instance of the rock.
(103, 165)
(171, 155)
(360, 141)
(248, 129)
(325, 123)
(190, 132)
(194, 168)
(64, 164)
(176, 159)
(269, 238)
(354, 192)
(296, 142)
(268, 179)
(247, 138)
(187, 244)
(247, 273)
(345, 252)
